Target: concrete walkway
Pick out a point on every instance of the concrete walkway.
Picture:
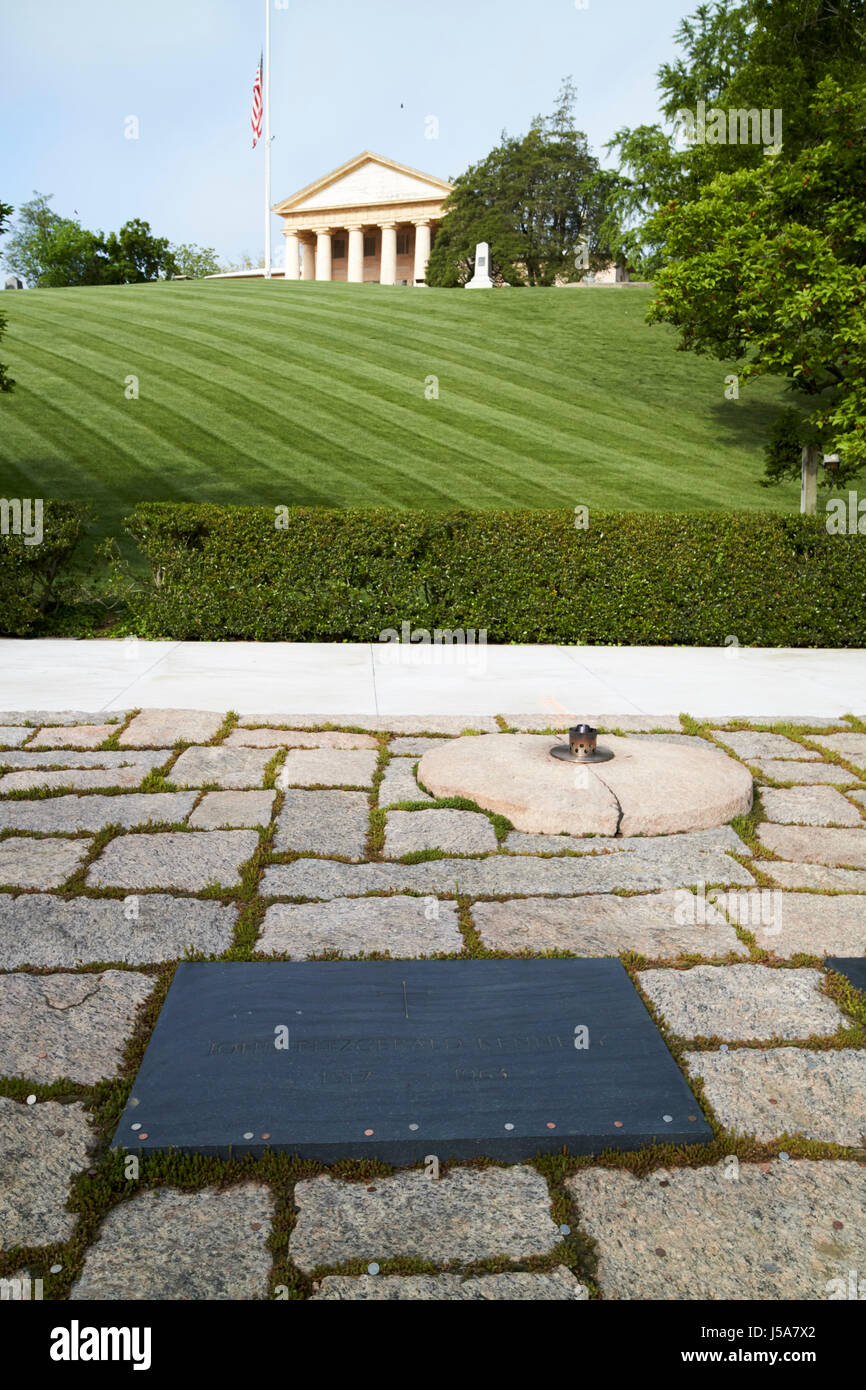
(364, 678)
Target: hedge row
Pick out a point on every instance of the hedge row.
(38, 539)
(525, 576)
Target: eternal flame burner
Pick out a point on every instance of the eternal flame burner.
(582, 747)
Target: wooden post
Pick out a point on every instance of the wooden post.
(809, 482)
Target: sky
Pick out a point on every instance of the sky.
(346, 75)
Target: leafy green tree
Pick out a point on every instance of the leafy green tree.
(50, 250)
(195, 261)
(534, 200)
(768, 268)
(134, 255)
(6, 381)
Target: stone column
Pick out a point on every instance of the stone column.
(388, 261)
(293, 256)
(422, 250)
(355, 271)
(309, 263)
(323, 253)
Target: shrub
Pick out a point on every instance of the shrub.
(525, 576)
(34, 578)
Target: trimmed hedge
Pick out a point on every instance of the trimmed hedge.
(694, 579)
(34, 577)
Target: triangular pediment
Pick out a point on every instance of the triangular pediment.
(367, 180)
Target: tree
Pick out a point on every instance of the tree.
(768, 268)
(195, 261)
(533, 199)
(50, 250)
(6, 381)
(134, 255)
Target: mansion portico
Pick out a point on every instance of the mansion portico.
(370, 221)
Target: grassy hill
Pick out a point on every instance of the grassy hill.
(314, 394)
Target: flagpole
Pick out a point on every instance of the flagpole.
(267, 77)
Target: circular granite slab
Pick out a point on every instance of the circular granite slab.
(647, 788)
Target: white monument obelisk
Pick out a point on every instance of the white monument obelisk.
(481, 279)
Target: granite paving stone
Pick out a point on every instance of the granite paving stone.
(12, 736)
(684, 741)
(82, 779)
(188, 861)
(503, 875)
(790, 923)
(47, 863)
(73, 736)
(327, 767)
(852, 747)
(454, 832)
(656, 925)
(219, 809)
(407, 747)
(227, 767)
(400, 926)
(68, 1026)
(42, 1147)
(786, 770)
(68, 814)
(154, 728)
(37, 718)
(145, 758)
(748, 745)
(808, 806)
(381, 723)
(816, 876)
(323, 822)
(297, 738)
(859, 795)
(184, 1246)
(742, 1002)
(786, 1090)
(467, 1216)
(722, 837)
(780, 1231)
(41, 930)
(556, 1285)
(399, 783)
(815, 845)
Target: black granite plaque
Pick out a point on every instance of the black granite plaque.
(852, 967)
(400, 1059)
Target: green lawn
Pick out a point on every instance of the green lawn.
(314, 394)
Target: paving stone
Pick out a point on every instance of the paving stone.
(781, 1231)
(297, 738)
(381, 723)
(38, 717)
(504, 875)
(399, 783)
(454, 832)
(73, 736)
(67, 814)
(82, 779)
(557, 1285)
(852, 747)
(748, 745)
(190, 861)
(324, 822)
(808, 806)
(187, 1246)
(154, 728)
(27, 863)
(41, 1147)
(640, 723)
(720, 837)
(468, 1215)
(859, 795)
(327, 767)
(12, 736)
(68, 1026)
(401, 926)
(41, 930)
(145, 758)
(789, 923)
(218, 809)
(786, 770)
(411, 747)
(683, 741)
(227, 767)
(558, 720)
(786, 1090)
(742, 1002)
(656, 925)
(816, 876)
(808, 845)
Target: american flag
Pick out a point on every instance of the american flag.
(256, 116)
